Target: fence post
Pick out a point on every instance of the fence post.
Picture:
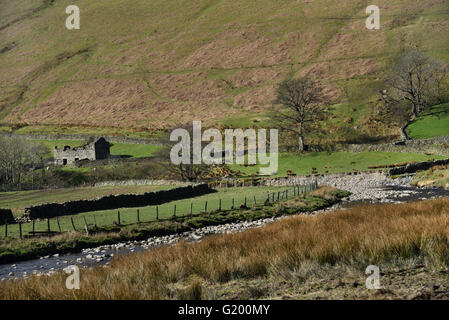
(157, 212)
(245, 201)
(233, 204)
(48, 225)
(33, 226)
(86, 228)
(118, 217)
(286, 194)
(174, 211)
(191, 208)
(279, 195)
(205, 207)
(73, 224)
(255, 202)
(219, 206)
(59, 226)
(20, 229)
(95, 221)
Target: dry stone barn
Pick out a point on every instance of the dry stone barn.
(96, 150)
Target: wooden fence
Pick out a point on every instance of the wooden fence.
(86, 221)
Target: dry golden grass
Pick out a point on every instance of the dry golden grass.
(369, 234)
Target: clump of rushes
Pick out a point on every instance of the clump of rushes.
(362, 235)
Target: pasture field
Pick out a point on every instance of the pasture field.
(433, 123)
(117, 149)
(334, 162)
(105, 218)
(18, 200)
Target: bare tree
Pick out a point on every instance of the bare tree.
(302, 107)
(17, 156)
(189, 172)
(415, 79)
(192, 171)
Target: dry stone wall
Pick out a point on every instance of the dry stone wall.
(114, 139)
(413, 167)
(438, 145)
(6, 216)
(51, 210)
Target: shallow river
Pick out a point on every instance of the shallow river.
(103, 255)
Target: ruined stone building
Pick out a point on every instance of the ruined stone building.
(96, 150)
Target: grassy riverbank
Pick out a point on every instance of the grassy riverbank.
(320, 256)
(17, 249)
(434, 177)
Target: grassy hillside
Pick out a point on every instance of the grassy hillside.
(139, 65)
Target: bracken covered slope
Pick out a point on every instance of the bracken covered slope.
(160, 63)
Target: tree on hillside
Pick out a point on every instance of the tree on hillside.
(192, 171)
(301, 103)
(415, 80)
(17, 156)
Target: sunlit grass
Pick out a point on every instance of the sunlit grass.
(369, 234)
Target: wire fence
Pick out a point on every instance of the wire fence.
(183, 208)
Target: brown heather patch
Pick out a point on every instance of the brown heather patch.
(368, 234)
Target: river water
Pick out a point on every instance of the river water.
(103, 255)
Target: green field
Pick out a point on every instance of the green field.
(148, 213)
(117, 149)
(335, 162)
(18, 200)
(433, 123)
